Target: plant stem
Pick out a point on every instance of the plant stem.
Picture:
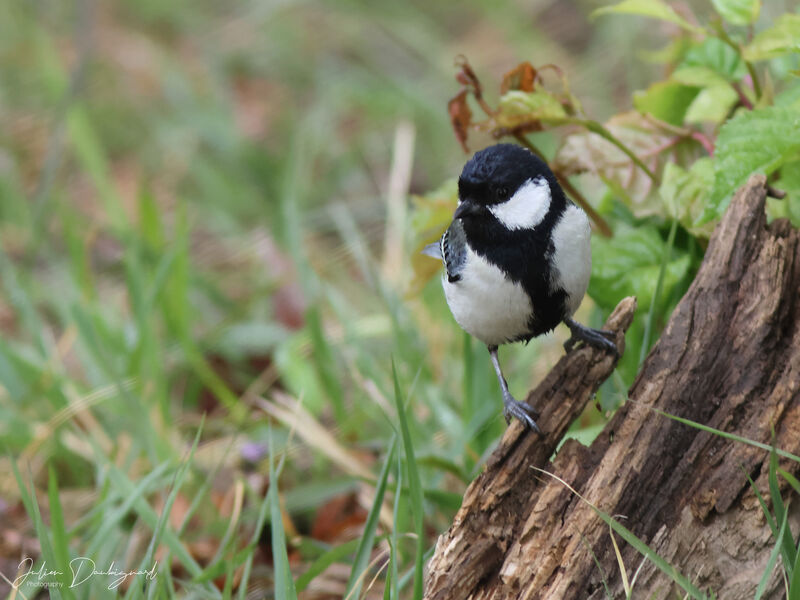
(651, 313)
(751, 70)
(599, 129)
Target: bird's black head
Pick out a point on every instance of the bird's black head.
(509, 182)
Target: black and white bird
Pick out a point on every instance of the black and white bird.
(517, 258)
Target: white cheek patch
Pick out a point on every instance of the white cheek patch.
(527, 207)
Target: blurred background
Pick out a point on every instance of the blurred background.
(205, 231)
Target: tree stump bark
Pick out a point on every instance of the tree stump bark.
(728, 358)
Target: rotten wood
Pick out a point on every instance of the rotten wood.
(728, 358)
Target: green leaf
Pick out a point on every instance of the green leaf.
(518, 107)
(685, 193)
(716, 98)
(655, 9)
(716, 55)
(738, 12)
(782, 38)
(698, 76)
(757, 141)
(712, 105)
(629, 265)
(666, 100)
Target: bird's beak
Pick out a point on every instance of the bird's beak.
(467, 208)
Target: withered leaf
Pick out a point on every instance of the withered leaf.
(587, 152)
(460, 117)
(522, 77)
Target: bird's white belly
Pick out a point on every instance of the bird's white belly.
(486, 303)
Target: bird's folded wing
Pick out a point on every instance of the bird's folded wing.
(454, 250)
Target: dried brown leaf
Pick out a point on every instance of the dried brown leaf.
(460, 117)
(522, 77)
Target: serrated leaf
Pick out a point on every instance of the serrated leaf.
(655, 9)
(756, 141)
(716, 55)
(685, 193)
(782, 38)
(629, 264)
(738, 12)
(589, 152)
(666, 100)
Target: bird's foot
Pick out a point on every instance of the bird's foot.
(599, 338)
(522, 411)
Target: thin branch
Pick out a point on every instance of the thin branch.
(723, 35)
(599, 129)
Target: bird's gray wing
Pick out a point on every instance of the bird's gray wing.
(454, 250)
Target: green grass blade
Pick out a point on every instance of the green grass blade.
(151, 518)
(326, 364)
(726, 435)
(643, 549)
(368, 536)
(333, 555)
(411, 573)
(765, 509)
(791, 479)
(394, 571)
(248, 565)
(773, 557)
(284, 583)
(414, 485)
(794, 582)
(28, 497)
(58, 530)
(788, 550)
(148, 562)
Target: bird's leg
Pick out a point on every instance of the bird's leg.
(512, 407)
(598, 338)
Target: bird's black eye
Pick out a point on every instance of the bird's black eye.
(502, 193)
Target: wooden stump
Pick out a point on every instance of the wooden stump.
(728, 358)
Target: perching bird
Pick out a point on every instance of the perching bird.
(517, 258)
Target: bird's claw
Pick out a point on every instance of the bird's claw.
(522, 411)
(599, 338)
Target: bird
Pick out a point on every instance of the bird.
(517, 259)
